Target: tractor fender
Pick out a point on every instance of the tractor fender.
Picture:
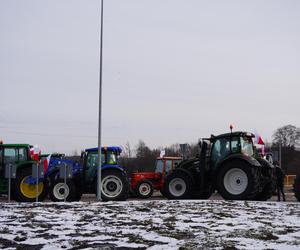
(250, 160)
(115, 167)
(26, 164)
(186, 164)
(264, 163)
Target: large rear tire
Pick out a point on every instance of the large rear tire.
(144, 189)
(297, 187)
(238, 180)
(178, 185)
(115, 186)
(26, 192)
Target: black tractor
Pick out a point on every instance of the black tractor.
(227, 163)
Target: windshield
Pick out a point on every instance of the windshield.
(247, 146)
(220, 150)
(92, 158)
(159, 166)
(112, 158)
(169, 164)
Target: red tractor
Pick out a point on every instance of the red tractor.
(143, 184)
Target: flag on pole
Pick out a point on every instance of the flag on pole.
(259, 139)
(35, 152)
(46, 163)
(162, 153)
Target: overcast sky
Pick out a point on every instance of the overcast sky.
(173, 70)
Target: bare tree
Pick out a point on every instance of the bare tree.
(287, 136)
(128, 151)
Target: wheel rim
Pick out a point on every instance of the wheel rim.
(112, 186)
(144, 189)
(60, 191)
(177, 187)
(29, 190)
(235, 181)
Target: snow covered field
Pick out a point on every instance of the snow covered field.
(159, 224)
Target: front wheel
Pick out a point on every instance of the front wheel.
(177, 185)
(115, 186)
(59, 191)
(237, 181)
(144, 189)
(26, 188)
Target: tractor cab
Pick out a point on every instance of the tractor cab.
(109, 158)
(164, 165)
(11, 153)
(230, 145)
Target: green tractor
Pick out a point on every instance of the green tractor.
(226, 163)
(23, 187)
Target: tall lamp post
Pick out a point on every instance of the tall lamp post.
(99, 186)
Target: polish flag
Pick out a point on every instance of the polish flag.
(35, 151)
(46, 163)
(259, 139)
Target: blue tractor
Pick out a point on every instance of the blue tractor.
(115, 185)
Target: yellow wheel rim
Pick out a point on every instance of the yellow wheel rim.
(29, 190)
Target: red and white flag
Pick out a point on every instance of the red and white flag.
(46, 163)
(35, 152)
(259, 139)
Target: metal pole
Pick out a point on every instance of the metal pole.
(99, 187)
(65, 181)
(9, 181)
(37, 182)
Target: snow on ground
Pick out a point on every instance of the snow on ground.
(151, 225)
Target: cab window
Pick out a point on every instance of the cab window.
(91, 165)
(92, 159)
(168, 166)
(159, 166)
(111, 158)
(10, 155)
(220, 150)
(247, 146)
(22, 154)
(235, 145)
